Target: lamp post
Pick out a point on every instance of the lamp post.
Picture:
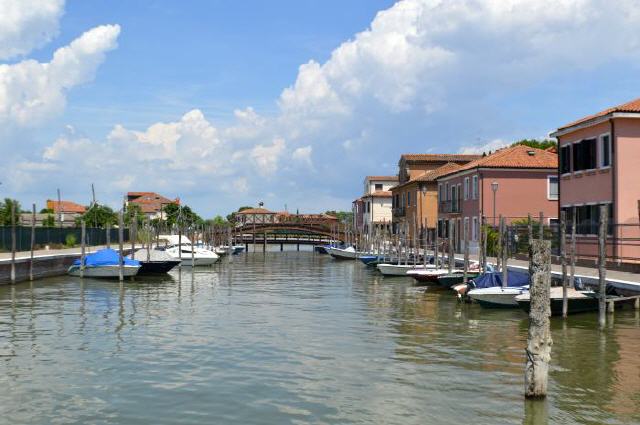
(494, 188)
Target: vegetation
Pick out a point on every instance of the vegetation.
(181, 214)
(47, 211)
(50, 221)
(342, 216)
(231, 218)
(218, 221)
(535, 143)
(98, 215)
(133, 211)
(5, 211)
(70, 240)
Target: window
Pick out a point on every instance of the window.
(453, 195)
(408, 199)
(565, 159)
(584, 155)
(605, 151)
(378, 186)
(465, 228)
(446, 191)
(552, 188)
(440, 193)
(403, 199)
(466, 188)
(474, 191)
(587, 218)
(474, 229)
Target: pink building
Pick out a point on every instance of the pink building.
(600, 165)
(512, 182)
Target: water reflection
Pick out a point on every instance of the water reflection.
(295, 338)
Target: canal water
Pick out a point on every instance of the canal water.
(293, 338)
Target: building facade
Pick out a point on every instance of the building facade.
(599, 159)
(414, 199)
(376, 202)
(512, 182)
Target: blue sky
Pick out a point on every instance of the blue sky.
(226, 103)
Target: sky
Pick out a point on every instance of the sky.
(289, 102)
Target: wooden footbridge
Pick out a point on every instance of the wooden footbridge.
(297, 233)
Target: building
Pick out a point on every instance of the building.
(357, 208)
(63, 211)
(150, 203)
(376, 202)
(512, 182)
(414, 198)
(255, 215)
(599, 159)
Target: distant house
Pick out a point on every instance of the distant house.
(414, 198)
(376, 202)
(63, 211)
(255, 215)
(511, 182)
(599, 163)
(150, 203)
(357, 208)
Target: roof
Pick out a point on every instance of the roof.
(256, 211)
(432, 175)
(148, 197)
(518, 156)
(632, 106)
(65, 207)
(379, 194)
(383, 178)
(438, 157)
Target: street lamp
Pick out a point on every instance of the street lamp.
(494, 188)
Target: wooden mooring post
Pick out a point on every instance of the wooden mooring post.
(602, 265)
(539, 340)
(108, 234)
(120, 246)
(505, 251)
(465, 272)
(83, 237)
(563, 261)
(33, 240)
(451, 250)
(13, 242)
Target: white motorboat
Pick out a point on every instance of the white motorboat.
(181, 248)
(497, 296)
(348, 253)
(104, 263)
(429, 274)
(401, 269)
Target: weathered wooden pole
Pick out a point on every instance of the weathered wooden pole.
(33, 240)
(563, 261)
(465, 272)
(120, 246)
(485, 237)
(499, 249)
(529, 227)
(180, 245)
(83, 233)
(539, 338)
(541, 228)
(193, 247)
(264, 242)
(602, 265)
(572, 260)
(59, 210)
(133, 230)
(108, 233)
(13, 242)
(505, 252)
(451, 251)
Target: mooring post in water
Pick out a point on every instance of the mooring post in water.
(485, 236)
(180, 245)
(529, 227)
(264, 242)
(602, 264)
(465, 272)
(498, 253)
(194, 241)
(13, 241)
(563, 261)
(541, 228)
(33, 240)
(505, 252)
(539, 341)
(108, 234)
(83, 233)
(133, 230)
(120, 246)
(572, 259)
(452, 255)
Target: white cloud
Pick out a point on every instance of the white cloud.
(303, 155)
(266, 158)
(490, 146)
(31, 91)
(27, 24)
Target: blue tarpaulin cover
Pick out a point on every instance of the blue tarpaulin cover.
(105, 257)
(489, 280)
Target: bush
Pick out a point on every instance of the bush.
(70, 240)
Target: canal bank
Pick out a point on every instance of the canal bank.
(294, 338)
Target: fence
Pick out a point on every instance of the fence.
(55, 237)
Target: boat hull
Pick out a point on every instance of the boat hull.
(575, 305)
(156, 267)
(450, 280)
(397, 269)
(198, 261)
(104, 271)
(496, 297)
(320, 249)
(342, 254)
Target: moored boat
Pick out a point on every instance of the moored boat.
(497, 296)
(578, 301)
(400, 269)
(154, 261)
(104, 263)
(348, 253)
(429, 275)
(449, 280)
(181, 249)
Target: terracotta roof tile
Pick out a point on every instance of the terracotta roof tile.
(519, 156)
(435, 157)
(385, 178)
(65, 207)
(256, 211)
(379, 194)
(632, 106)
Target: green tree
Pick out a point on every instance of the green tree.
(5, 211)
(231, 218)
(98, 215)
(218, 221)
(181, 214)
(133, 210)
(47, 211)
(535, 143)
(50, 221)
(342, 216)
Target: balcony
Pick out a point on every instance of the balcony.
(449, 207)
(399, 212)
